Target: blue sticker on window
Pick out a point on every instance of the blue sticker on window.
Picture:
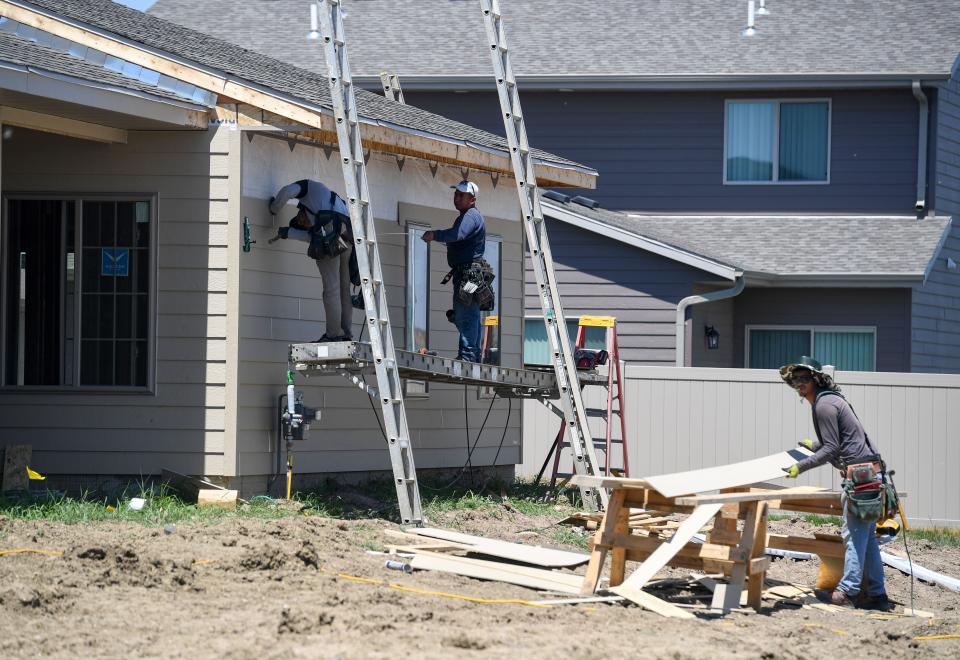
(115, 262)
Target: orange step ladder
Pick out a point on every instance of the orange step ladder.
(614, 389)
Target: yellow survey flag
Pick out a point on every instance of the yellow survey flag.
(35, 476)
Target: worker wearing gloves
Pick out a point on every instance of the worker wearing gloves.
(466, 241)
(843, 443)
(323, 222)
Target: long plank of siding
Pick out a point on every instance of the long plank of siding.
(180, 424)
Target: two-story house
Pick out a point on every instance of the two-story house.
(804, 176)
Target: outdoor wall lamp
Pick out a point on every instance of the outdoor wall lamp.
(713, 338)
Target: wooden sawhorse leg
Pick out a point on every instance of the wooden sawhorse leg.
(616, 519)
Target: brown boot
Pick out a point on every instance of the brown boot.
(841, 599)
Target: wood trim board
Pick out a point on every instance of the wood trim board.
(705, 480)
(527, 554)
(798, 493)
(524, 576)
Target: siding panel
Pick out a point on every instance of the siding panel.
(663, 151)
(181, 424)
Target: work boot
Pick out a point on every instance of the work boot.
(881, 603)
(840, 599)
(324, 338)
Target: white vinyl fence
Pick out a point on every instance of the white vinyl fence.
(686, 418)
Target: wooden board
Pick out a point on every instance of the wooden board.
(527, 554)
(16, 458)
(651, 602)
(225, 499)
(663, 554)
(798, 493)
(707, 479)
(524, 576)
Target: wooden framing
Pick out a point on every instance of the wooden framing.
(39, 121)
(278, 111)
(737, 553)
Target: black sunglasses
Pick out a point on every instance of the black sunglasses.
(800, 380)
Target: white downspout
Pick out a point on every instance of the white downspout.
(696, 300)
(922, 146)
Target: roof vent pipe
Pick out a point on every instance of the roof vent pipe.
(751, 30)
(763, 11)
(314, 33)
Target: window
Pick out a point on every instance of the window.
(77, 288)
(490, 337)
(536, 346)
(777, 142)
(418, 299)
(846, 348)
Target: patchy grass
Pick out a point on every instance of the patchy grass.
(812, 518)
(372, 499)
(937, 535)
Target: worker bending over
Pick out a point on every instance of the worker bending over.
(844, 443)
(466, 241)
(323, 221)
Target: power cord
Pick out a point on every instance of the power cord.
(470, 450)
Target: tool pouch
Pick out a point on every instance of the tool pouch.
(862, 502)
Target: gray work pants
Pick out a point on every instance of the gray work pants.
(335, 275)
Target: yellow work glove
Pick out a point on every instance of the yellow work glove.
(806, 442)
(793, 471)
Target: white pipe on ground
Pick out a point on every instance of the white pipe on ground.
(696, 300)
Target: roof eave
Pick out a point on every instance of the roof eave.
(650, 245)
(667, 81)
(833, 280)
(220, 82)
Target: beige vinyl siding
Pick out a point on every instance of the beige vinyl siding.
(281, 303)
(179, 424)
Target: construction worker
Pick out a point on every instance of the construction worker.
(843, 442)
(466, 241)
(323, 222)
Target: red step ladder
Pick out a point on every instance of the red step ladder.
(614, 389)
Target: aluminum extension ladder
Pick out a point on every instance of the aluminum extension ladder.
(585, 458)
(389, 386)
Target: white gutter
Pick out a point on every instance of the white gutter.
(922, 146)
(696, 300)
(666, 81)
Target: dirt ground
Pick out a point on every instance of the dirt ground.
(306, 587)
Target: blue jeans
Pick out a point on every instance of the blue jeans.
(467, 320)
(861, 556)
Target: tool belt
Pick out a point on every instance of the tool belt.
(473, 284)
(868, 495)
(327, 238)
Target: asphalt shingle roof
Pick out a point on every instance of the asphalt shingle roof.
(23, 52)
(788, 246)
(267, 72)
(611, 37)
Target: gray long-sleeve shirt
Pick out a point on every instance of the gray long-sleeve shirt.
(842, 438)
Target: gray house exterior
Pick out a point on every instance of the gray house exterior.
(642, 91)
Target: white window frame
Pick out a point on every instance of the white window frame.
(415, 389)
(79, 199)
(813, 329)
(775, 181)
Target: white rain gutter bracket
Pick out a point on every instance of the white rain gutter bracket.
(924, 130)
(696, 300)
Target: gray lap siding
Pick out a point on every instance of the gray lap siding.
(663, 151)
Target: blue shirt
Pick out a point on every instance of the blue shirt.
(466, 240)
